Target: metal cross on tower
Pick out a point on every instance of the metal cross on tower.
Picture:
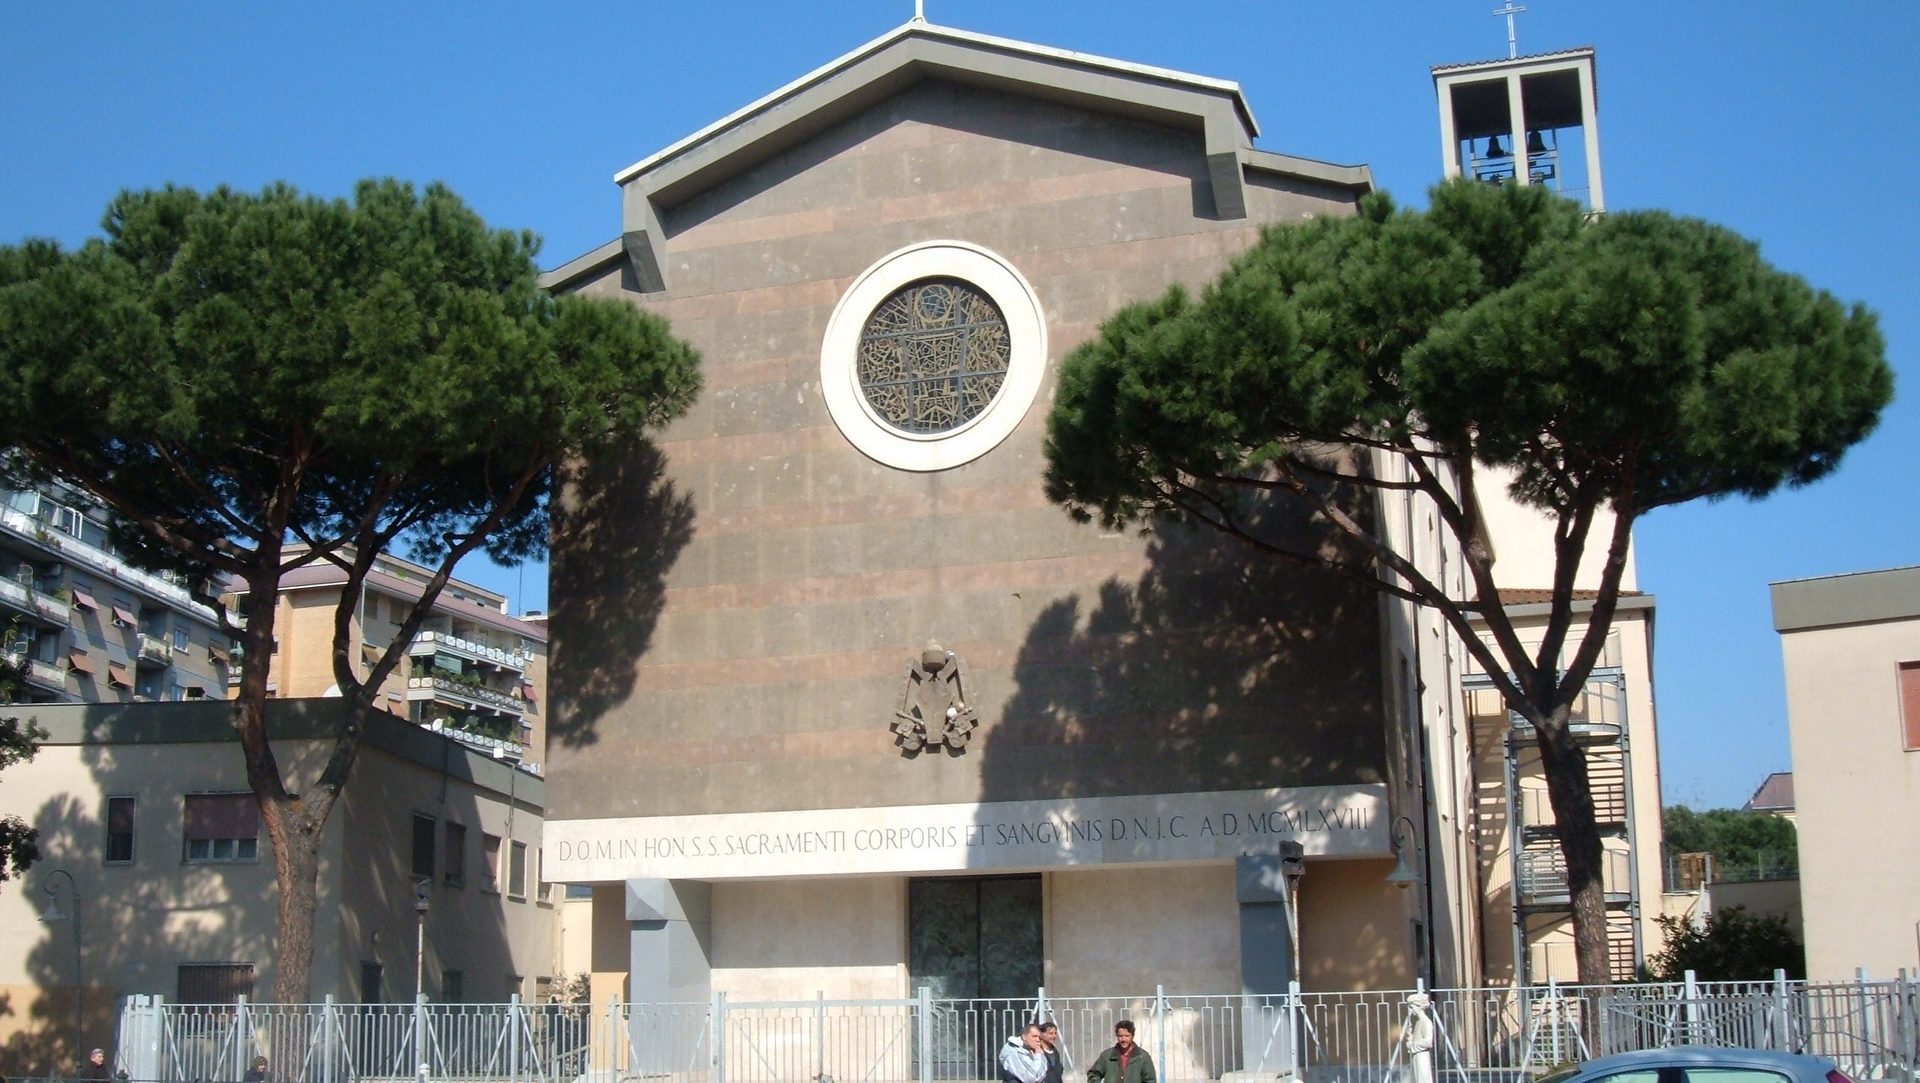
(1510, 10)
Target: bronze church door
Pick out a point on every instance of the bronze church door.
(976, 944)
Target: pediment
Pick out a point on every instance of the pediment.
(918, 51)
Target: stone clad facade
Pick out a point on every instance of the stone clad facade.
(739, 609)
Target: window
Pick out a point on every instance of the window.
(119, 830)
(370, 992)
(517, 871)
(123, 614)
(222, 827)
(181, 640)
(490, 862)
(214, 983)
(455, 845)
(62, 518)
(453, 986)
(933, 356)
(423, 831)
(1910, 703)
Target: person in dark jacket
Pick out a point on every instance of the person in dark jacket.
(1058, 1062)
(256, 1072)
(96, 1066)
(1125, 1062)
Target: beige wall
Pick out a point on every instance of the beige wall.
(143, 920)
(1857, 796)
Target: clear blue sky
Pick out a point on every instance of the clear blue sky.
(1796, 124)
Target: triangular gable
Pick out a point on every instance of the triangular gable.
(919, 51)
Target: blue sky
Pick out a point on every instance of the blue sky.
(1796, 124)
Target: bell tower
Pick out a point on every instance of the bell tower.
(1523, 120)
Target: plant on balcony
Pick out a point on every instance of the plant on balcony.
(255, 383)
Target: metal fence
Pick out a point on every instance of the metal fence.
(1485, 1035)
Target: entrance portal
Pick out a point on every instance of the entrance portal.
(977, 945)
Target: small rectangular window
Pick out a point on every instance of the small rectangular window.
(517, 871)
(181, 640)
(1910, 703)
(423, 832)
(119, 830)
(370, 992)
(455, 860)
(214, 983)
(221, 827)
(453, 986)
(489, 862)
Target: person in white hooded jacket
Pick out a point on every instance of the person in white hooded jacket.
(1022, 1060)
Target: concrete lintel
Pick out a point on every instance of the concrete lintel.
(1358, 178)
(581, 266)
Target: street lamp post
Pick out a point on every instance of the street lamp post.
(52, 914)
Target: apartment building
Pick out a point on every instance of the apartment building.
(472, 671)
(87, 626)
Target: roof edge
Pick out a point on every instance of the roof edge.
(920, 28)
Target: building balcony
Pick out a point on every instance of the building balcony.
(99, 562)
(44, 675)
(428, 644)
(154, 651)
(463, 694)
(36, 606)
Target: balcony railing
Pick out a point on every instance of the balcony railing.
(1543, 875)
(430, 643)
(437, 687)
(33, 603)
(100, 562)
(154, 651)
(47, 675)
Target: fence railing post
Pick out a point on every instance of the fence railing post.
(329, 1039)
(1294, 1059)
(242, 1026)
(717, 1037)
(420, 1038)
(1690, 1007)
(1160, 1028)
(1867, 1039)
(819, 1035)
(1782, 1022)
(924, 1025)
(514, 1022)
(1903, 1024)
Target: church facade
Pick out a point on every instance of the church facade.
(842, 705)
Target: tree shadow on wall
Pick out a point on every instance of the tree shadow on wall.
(623, 524)
(128, 922)
(1221, 668)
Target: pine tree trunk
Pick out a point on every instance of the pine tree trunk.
(1564, 763)
(296, 868)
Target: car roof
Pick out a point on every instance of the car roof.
(1703, 1055)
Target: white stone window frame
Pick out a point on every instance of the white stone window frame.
(986, 271)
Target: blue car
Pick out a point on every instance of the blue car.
(1703, 1064)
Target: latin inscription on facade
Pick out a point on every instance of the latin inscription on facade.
(1326, 820)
